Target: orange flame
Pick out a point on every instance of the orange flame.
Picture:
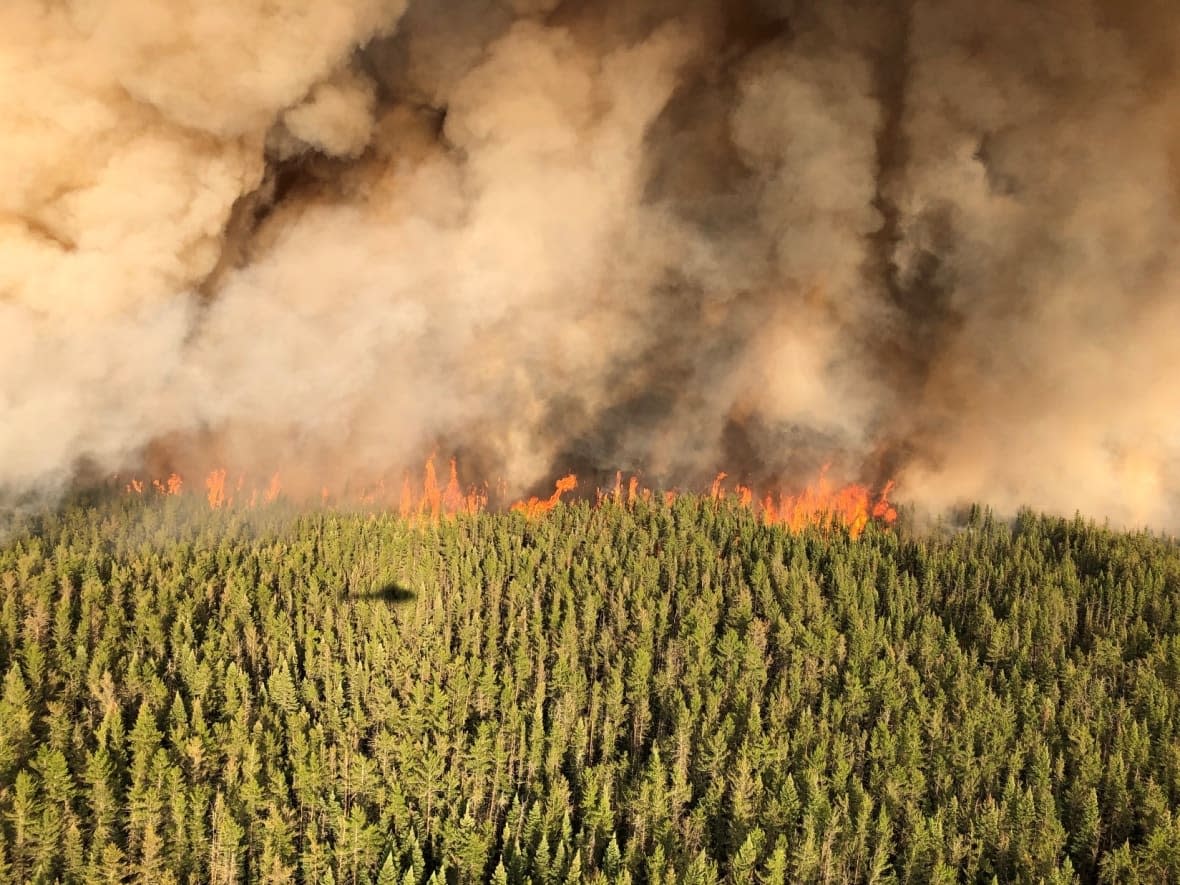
(431, 497)
(821, 503)
(535, 507)
(215, 483)
(452, 498)
(715, 492)
(435, 503)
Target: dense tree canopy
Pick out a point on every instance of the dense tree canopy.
(668, 692)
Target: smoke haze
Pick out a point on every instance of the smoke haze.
(924, 240)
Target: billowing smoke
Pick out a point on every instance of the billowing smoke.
(918, 239)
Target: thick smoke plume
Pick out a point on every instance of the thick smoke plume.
(919, 239)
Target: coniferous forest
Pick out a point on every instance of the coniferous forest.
(660, 693)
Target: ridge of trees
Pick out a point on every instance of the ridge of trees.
(663, 693)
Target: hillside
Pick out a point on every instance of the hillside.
(666, 692)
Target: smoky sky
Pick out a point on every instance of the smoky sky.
(931, 241)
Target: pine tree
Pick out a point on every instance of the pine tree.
(388, 874)
(17, 715)
(701, 871)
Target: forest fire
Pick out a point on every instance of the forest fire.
(821, 503)
(535, 507)
(433, 502)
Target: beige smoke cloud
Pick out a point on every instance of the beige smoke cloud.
(326, 238)
(131, 129)
(450, 267)
(1042, 176)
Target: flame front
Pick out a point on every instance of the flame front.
(822, 503)
(850, 506)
